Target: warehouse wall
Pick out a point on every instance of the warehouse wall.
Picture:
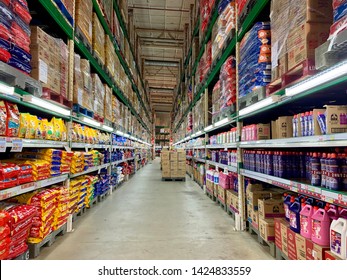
(162, 119)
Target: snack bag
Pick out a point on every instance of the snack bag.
(32, 125)
(12, 119)
(50, 130)
(24, 124)
(3, 117)
(39, 129)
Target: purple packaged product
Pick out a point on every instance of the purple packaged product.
(19, 65)
(5, 45)
(6, 16)
(20, 54)
(322, 123)
(340, 12)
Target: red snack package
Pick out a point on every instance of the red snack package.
(4, 231)
(3, 118)
(21, 11)
(18, 250)
(4, 218)
(12, 119)
(4, 55)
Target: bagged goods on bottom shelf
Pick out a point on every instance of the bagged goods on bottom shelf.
(19, 223)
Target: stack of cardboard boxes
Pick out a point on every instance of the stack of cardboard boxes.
(263, 206)
(297, 29)
(232, 200)
(84, 19)
(296, 247)
(173, 164)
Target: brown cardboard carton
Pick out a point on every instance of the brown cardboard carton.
(291, 244)
(182, 165)
(181, 173)
(278, 232)
(274, 130)
(284, 232)
(249, 213)
(312, 11)
(267, 229)
(270, 208)
(255, 219)
(263, 131)
(335, 119)
(181, 156)
(173, 156)
(166, 173)
(253, 197)
(330, 256)
(165, 155)
(229, 200)
(235, 200)
(84, 18)
(221, 194)
(303, 40)
(285, 127)
(283, 65)
(174, 165)
(300, 247)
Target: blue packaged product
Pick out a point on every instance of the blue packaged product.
(5, 45)
(322, 123)
(222, 5)
(20, 54)
(14, 62)
(340, 12)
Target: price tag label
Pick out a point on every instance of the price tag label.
(17, 145)
(86, 149)
(67, 148)
(2, 145)
(226, 170)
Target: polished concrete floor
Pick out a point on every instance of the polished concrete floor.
(147, 219)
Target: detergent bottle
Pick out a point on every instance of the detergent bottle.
(342, 212)
(338, 237)
(306, 220)
(286, 204)
(294, 214)
(332, 211)
(320, 227)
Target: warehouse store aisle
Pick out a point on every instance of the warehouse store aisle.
(150, 219)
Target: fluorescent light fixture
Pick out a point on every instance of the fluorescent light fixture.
(126, 135)
(108, 128)
(199, 133)
(193, 135)
(221, 122)
(91, 121)
(319, 79)
(5, 89)
(133, 138)
(208, 128)
(261, 104)
(119, 133)
(46, 105)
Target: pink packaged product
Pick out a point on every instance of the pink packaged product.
(224, 180)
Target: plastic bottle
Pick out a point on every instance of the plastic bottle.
(334, 170)
(343, 170)
(342, 212)
(321, 227)
(310, 124)
(295, 126)
(323, 170)
(280, 165)
(294, 214)
(315, 170)
(302, 165)
(306, 220)
(332, 211)
(338, 238)
(286, 204)
(302, 124)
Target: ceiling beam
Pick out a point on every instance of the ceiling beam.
(162, 46)
(151, 39)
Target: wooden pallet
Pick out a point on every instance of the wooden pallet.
(78, 109)
(252, 98)
(221, 204)
(298, 73)
(174, 179)
(103, 196)
(271, 245)
(56, 97)
(35, 248)
(16, 78)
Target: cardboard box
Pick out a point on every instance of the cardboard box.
(303, 40)
(254, 187)
(174, 173)
(263, 131)
(235, 200)
(165, 164)
(221, 194)
(165, 156)
(182, 165)
(84, 18)
(181, 173)
(270, 208)
(181, 156)
(174, 165)
(300, 247)
(284, 127)
(315, 251)
(166, 173)
(283, 65)
(267, 229)
(229, 200)
(274, 130)
(249, 213)
(278, 232)
(173, 156)
(253, 197)
(330, 256)
(284, 236)
(336, 119)
(255, 219)
(291, 244)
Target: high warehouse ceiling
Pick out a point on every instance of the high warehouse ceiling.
(160, 27)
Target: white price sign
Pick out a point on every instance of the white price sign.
(2, 145)
(17, 145)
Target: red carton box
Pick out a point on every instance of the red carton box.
(291, 244)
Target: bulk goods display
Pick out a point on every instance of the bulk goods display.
(272, 148)
(72, 117)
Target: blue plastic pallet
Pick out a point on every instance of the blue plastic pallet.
(81, 110)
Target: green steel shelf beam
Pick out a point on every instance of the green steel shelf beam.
(109, 33)
(252, 16)
(125, 32)
(58, 17)
(207, 36)
(195, 33)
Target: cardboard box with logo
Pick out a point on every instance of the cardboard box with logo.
(284, 127)
(253, 197)
(255, 219)
(281, 226)
(291, 244)
(270, 208)
(315, 251)
(336, 119)
(221, 194)
(173, 156)
(300, 247)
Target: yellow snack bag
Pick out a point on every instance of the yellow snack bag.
(44, 128)
(50, 131)
(57, 128)
(32, 126)
(39, 129)
(24, 125)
